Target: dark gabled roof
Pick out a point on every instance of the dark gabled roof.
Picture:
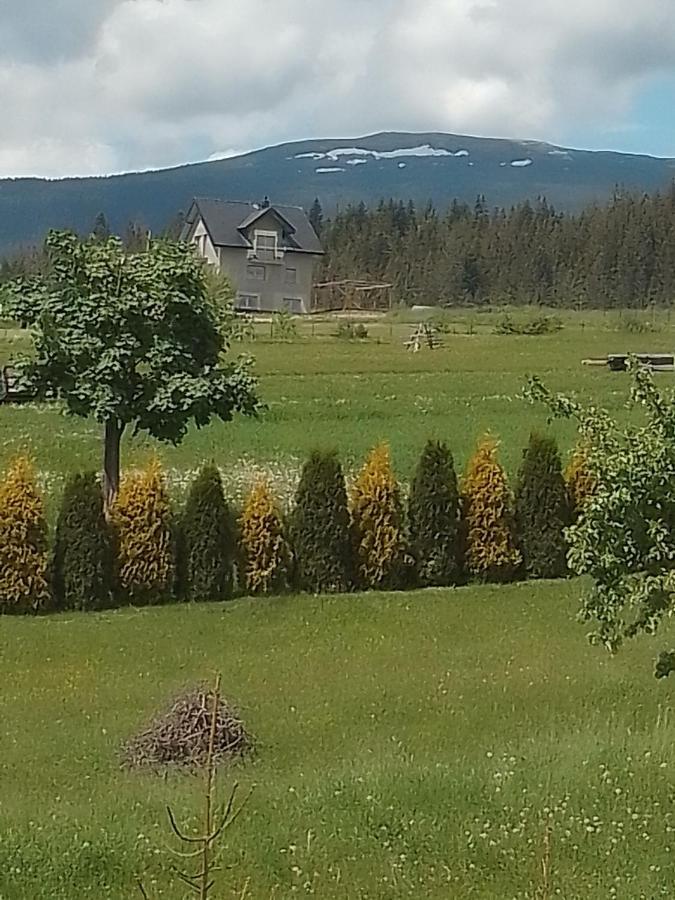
(225, 221)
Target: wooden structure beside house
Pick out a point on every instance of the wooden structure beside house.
(268, 251)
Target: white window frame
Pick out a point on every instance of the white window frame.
(287, 301)
(258, 266)
(274, 251)
(246, 295)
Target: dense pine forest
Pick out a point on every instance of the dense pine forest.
(618, 255)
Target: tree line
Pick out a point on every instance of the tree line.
(618, 255)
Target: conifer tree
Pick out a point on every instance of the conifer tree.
(320, 527)
(83, 557)
(542, 509)
(207, 543)
(141, 516)
(434, 517)
(377, 522)
(490, 542)
(23, 541)
(101, 229)
(264, 552)
(316, 216)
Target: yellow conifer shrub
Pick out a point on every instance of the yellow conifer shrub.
(141, 517)
(24, 585)
(377, 522)
(578, 478)
(491, 553)
(264, 551)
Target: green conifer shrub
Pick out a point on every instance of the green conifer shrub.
(24, 583)
(490, 550)
(320, 527)
(542, 509)
(377, 524)
(143, 529)
(434, 517)
(83, 556)
(207, 541)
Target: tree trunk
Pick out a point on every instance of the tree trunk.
(111, 461)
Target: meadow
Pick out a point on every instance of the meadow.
(412, 745)
(320, 391)
(450, 743)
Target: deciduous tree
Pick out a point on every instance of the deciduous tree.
(130, 340)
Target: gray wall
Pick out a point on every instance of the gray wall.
(275, 288)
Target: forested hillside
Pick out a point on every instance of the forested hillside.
(618, 255)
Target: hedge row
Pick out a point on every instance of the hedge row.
(334, 539)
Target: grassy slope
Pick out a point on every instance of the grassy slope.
(323, 391)
(409, 746)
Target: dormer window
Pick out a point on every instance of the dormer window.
(265, 244)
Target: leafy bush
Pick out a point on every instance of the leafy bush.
(264, 551)
(434, 517)
(207, 543)
(540, 324)
(377, 519)
(284, 326)
(350, 331)
(23, 541)
(320, 529)
(142, 519)
(83, 558)
(542, 510)
(490, 544)
(579, 479)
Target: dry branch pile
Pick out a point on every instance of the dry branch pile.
(180, 737)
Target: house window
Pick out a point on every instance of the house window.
(255, 273)
(293, 304)
(291, 276)
(248, 301)
(265, 244)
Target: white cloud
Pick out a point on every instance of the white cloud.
(117, 84)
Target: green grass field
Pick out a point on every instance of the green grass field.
(410, 745)
(321, 391)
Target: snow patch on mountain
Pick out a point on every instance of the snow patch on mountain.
(326, 170)
(358, 155)
(521, 163)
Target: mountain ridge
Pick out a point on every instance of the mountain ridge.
(422, 166)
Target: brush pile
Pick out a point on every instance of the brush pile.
(180, 737)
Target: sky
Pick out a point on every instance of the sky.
(101, 86)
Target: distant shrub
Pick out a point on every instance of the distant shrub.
(542, 510)
(83, 558)
(23, 541)
(540, 324)
(634, 323)
(284, 327)
(350, 331)
(320, 528)
(491, 552)
(579, 479)
(206, 540)
(434, 517)
(441, 322)
(377, 520)
(142, 519)
(264, 552)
